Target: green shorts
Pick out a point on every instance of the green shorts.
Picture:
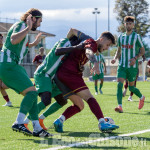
(44, 83)
(127, 73)
(98, 76)
(15, 76)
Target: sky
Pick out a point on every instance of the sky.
(61, 15)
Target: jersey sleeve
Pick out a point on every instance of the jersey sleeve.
(119, 41)
(91, 44)
(139, 41)
(18, 27)
(82, 37)
(64, 43)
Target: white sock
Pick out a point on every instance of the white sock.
(101, 120)
(36, 126)
(62, 118)
(20, 118)
(120, 105)
(26, 121)
(42, 117)
(141, 97)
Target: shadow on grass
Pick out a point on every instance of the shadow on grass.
(148, 113)
(14, 107)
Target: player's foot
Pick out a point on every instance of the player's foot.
(119, 109)
(58, 125)
(21, 128)
(96, 93)
(42, 124)
(124, 92)
(141, 102)
(9, 104)
(42, 133)
(130, 98)
(107, 127)
(100, 91)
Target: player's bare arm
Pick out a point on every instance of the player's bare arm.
(90, 55)
(65, 50)
(141, 53)
(36, 41)
(117, 55)
(105, 68)
(19, 36)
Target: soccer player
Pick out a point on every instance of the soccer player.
(70, 74)
(14, 76)
(128, 51)
(126, 82)
(2, 85)
(46, 88)
(102, 68)
(38, 59)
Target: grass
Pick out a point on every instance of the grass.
(84, 124)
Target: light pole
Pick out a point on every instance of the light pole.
(96, 12)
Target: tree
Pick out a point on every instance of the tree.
(136, 8)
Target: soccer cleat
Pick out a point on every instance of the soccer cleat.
(42, 124)
(42, 133)
(130, 98)
(124, 92)
(141, 102)
(119, 109)
(96, 93)
(9, 104)
(58, 125)
(107, 127)
(100, 91)
(21, 128)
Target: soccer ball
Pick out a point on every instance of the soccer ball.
(109, 120)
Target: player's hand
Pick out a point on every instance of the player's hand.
(105, 71)
(29, 22)
(132, 61)
(95, 68)
(113, 61)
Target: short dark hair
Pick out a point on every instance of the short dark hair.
(34, 12)
(1, 35)
(109, 36)
(129, 19)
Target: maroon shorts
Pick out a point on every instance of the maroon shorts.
(73, 81)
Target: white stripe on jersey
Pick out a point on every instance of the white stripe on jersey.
(8, 56)
(129, 50)
(24, 44)
(124, 51)
(2, 56)
(121, 48)
(140, 40)
(55, 65)
(135, 39)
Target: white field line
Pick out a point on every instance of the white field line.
(97, 140)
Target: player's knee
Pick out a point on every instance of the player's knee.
(61, 100)
(131, 88)
(81, 106)
(120, 85)
(45, 98)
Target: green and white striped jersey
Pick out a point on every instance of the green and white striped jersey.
(130, 46)
(51, 62)
(101, 61)
(14, 53)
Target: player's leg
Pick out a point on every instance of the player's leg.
(121, 76)
(95, 109)
(131, 77)
(95, 83)
(125, 88)
(5, 95)
(101, 77)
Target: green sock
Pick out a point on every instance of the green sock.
(119, 92)
(135, 91)
(40, 106)
(53, 108)
(96, 88)
(101, 85)
(28, 101)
